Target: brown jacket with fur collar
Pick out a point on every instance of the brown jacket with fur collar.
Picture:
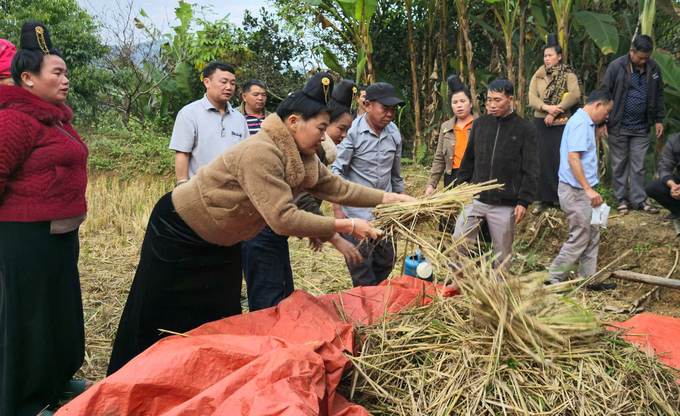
(253, 184)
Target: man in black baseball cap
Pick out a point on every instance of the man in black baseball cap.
(383, 93)
(370, 155)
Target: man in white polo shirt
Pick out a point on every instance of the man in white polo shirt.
(207, 127)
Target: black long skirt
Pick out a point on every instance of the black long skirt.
(182, 282)
(42, 339)
(549, 140)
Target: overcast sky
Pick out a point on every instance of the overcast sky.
(160, 11)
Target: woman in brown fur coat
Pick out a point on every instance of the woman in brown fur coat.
(190, 267)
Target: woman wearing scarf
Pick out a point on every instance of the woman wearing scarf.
(553, 91)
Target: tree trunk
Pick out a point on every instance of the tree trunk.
(562, 9)
(521, 77)
(584, 60)
(126, 119)
(460, 70)
(509, 60)
(646, 278)
(442, 40)
(367, 47)
(601, 69)
(472, 82)
(414, 79)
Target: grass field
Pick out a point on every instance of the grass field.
(120, 205)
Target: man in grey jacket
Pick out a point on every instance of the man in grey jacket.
(666, 190)
(635, 82)
(370, 155)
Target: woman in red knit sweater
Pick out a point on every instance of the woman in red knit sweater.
(43, 177)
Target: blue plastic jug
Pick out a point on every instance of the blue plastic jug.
(411, 266)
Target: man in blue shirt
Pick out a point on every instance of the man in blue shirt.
(370, 155)
(636, 85)
(577, 177)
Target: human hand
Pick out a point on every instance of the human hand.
(363, 229)
(315, 244)
(553, 110)
(338, 213)
(347, 249)
(600, 132)
(429, 190)
(595, 198)
(675, 191)
(520, 213)
(549, 120)
(392, 198)
(658, 127)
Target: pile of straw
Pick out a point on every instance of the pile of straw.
(505, 348)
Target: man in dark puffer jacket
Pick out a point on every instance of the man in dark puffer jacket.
(666, 190)
(502, 146)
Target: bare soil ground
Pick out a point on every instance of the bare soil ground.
(119, 209)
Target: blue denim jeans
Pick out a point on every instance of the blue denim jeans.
(266, 268)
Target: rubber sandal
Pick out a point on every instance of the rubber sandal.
(650, 209)
(670, 217)
(602, 286)
(622, 209)
(76, 387)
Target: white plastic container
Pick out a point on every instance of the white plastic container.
(604, 215)
(600, 215)
(595, 217)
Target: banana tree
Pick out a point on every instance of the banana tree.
(354, 18)
(414, 78)
(562, 10)
(600, 28)
(506, 14)
(464, 22)
(647, 14)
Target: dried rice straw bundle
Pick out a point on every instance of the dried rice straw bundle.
(416, 222)
(505, 348)
(393, 218)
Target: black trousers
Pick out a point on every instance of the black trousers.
(377, 264)
(42, 339)
(661, 193)
(182, 282)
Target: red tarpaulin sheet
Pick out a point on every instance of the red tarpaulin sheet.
(656, 334)
(286, 360)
